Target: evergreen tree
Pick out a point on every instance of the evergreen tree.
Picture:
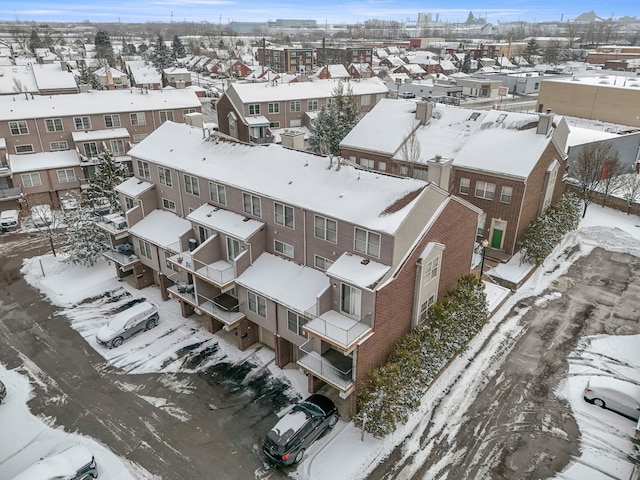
(466, 63)
(88, 78)
(531, 50)
(334, 121)
(178, 48)
(161, 55)
(84, 241)
(104, 49)
(35, 41)
(109, 174)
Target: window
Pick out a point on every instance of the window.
(404, 170)
(283, 248)
(187, 111)
(18, 128)
(53, 124)
(350, 300)
(217, 193)
(294, 106)
(166, 115)
(257, 304)
(274, 107)
(90, 149)
(203, 233)
(138, 137)
(284, 215)
(321, 262)
(66, 176)
(164, 174)
(138, 118)
(464, 186)
(143, 170)
(169, 265)
(482, 220)
(430, 270)
(382, 166)
(117, 147)
(367, 242)
(424, 308)
(312, 105)
(145, 248)
(82, 123)
(365, 100)
(168, 205)
(31, 180)
(57, 146)
(295, 323)
(128, 203)
(366, 163)
(251, 204)
(111, 121)
(233, 249)
(485, 190)
(254, 109)
(420, 174)
(24, 148)
(191, 185)
(296, 122)
(325, 228)
(505, 195)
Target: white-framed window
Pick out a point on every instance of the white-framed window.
(53, 124)
(257, 304)
(424, 308)
(295, 323)
(465, 183)
(420, 174)
(366, 242)
(90, 149)
(117, 147)
(321, 262)
(274, 125)
(254, 109)
(143, 170)
(164, 174)
(430, 270)
(128, 203)
(145, 248)
(294, 106)
(82, 123)
(274, 107)
(191, 185)
(506, 194)
(19, 128)
(187, 111)
(485, 190)
(111, 121)
(312, 105)
(166, 115)
(217, 193)
(283, 215)
(350, 300)
(60, 145)
(66, 176)
(31, 180)
(382, 166)
(295, 122)
(169, 265)
(283, 248)
(203, 233)
(367, 163)
(169, 205)
(251, 204)
(325, 228)
(24, 148)
(233, 249)
(138, 137)
(404, 170)
(365, 100)
(482, 220)
(138, 118)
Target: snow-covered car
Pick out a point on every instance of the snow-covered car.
(138, 318)
(75, 463)
(614, 394)
(9, 219)
(41, 215)
(3, 391)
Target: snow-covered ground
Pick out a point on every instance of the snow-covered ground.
(345, 453)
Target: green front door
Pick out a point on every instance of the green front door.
(496, 239)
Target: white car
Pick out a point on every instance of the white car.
(41, 215)
(614, 394)
(75, 463)
(9, 219)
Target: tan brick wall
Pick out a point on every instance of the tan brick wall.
(247, 332)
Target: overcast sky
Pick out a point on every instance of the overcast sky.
(330, 11)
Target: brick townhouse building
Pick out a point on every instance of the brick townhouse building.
(250, 111)
(327, 266)
(510, 165)
(287, 60)
(56, 136)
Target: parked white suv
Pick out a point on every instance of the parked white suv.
(75, 463)
(9, 219)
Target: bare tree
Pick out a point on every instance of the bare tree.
(410, 150)
(612, 172)
(47, 223)
(631, 189)
(587, 170)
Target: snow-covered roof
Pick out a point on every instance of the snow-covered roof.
(32, 162)
(613, 81)
(225, 221)
(17, 78)
(134, 187)
(106, 134)
(161, 228)
(293, 177)
(15, 107)
(580, 136)
(357, 270)
(115, 73)
(54, 77)
(295, 286)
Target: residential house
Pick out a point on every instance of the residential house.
(327, 266)
(344, 55)
(176, 77)
(112, 78)
(392, 62)
(412, 70)
(37, 79)
(510, 165)
(144, 75)
(479, 87)
(238, 69)
(248, 111)
(360, 70)
(332, 71)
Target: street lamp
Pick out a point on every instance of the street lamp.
(485, 244)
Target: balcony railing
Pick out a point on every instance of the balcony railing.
(5, 171)
(10, 193)
(219, 272)
(328, 367)
(223, 308)
(262, 140)
(125, 260)
(338, 329)
(186, 294)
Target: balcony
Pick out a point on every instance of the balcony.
(184, 292)
(125, 260)
(339, 330)
(5, 171)
(114, 224)
(223, 308)
(262, 140)
(10, 193)
(220, 273)
(332, 367)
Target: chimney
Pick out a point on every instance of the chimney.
(292, 139)
(424, 111)
(195, 119)
(439, 171)
(545, 122)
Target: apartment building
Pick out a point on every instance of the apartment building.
(248, 111)
(509, 165)
(85, 124)
(344, 55)
(328, 266)
(287, 60)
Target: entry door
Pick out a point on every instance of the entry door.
(497, 233)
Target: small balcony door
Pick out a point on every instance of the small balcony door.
(351, 301)
(233, 249)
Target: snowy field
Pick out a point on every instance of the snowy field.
(88, 297)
